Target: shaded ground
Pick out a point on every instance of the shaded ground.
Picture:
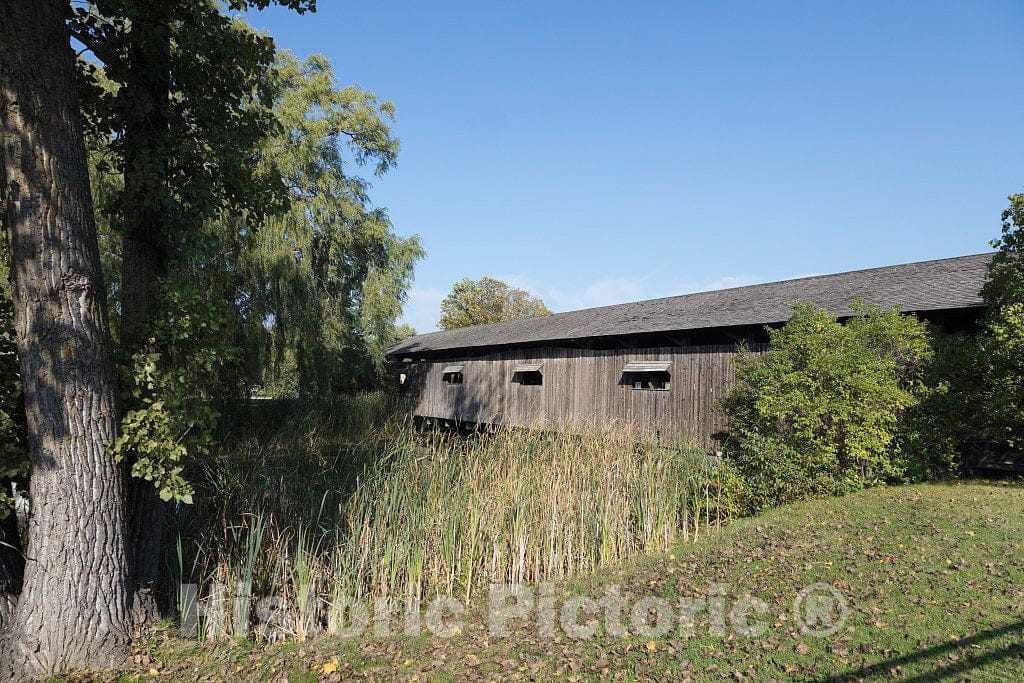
(932, 576)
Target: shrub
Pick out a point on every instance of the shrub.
(946, 431)
(819, 412)
(774, 472)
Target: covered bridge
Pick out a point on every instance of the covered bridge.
(659, 364)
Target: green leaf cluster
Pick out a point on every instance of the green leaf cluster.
(819, 413)
(267, 231)
(169, 415)
(207, 76)
(942, 433)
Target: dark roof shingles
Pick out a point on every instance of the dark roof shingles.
(925, 286)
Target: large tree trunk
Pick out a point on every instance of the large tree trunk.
(143, 264)
(73, 609)
(145, 255)
(147, 515)
(145, 248)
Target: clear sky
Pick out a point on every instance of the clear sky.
(601, 152)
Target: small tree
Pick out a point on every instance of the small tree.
(818, 414)
(487, 301)
(1004, 294)
(402, 332)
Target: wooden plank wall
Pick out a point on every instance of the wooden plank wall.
(581, 387)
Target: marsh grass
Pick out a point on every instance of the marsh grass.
(350, 500)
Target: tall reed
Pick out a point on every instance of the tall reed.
(352, 501)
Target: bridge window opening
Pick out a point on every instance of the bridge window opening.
(648, 375)
(528, 374)
(452, 374)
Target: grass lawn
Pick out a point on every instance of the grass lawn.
(932, 576)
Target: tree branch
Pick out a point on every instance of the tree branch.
(85, 39)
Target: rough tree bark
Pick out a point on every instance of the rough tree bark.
(145, 255)
(73, 609)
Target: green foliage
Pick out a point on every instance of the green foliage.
(942, 432)
(13, 456)
(773, 471)
(820, 411)
(300, 6)
(403, 332)
(248, 171)
(205, 76)
(732, 490)
(487, 301)
(1006, 326)
(1004, 294)
(1005, 285)
(168, 416)
(12, 449)
(321, 284)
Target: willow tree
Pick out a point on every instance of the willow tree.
(320, 285)
(72, 611)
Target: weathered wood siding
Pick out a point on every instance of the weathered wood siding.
(581, 387)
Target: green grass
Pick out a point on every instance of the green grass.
(933, 576)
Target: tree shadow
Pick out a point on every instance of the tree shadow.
(954, 669)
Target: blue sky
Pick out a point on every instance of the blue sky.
(603, 152)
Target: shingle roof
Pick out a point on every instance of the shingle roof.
(944, 284)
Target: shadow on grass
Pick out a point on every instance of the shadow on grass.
(956, 668)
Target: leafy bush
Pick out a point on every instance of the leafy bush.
(820, 411)
(774, 472)
(946, 431)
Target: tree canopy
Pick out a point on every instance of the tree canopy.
(487, 300)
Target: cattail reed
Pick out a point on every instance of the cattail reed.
(352, 501)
